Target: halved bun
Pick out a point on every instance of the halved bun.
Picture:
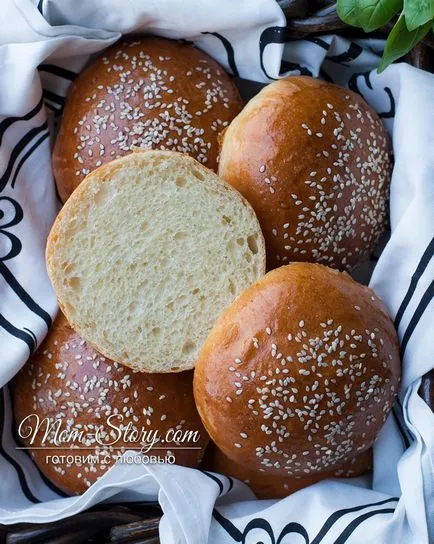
(145, 255)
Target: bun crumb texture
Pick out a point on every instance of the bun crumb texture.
(146, 254)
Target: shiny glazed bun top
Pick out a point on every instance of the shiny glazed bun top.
(67, 380)
(313, 160)
(153, 94)
(299, 373)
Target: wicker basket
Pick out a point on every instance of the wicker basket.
(137, 523)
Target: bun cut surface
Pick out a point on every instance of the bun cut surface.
(70, 383)
(313, 159)
(151, 93)
(146, 254)
(299, 374)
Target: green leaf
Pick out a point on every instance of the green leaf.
(401, 41)
(418, 12)
(368, 14)
(348, 11)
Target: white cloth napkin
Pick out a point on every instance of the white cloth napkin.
(42, 47)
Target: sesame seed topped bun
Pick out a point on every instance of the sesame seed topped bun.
(69, 382)
(271, 486)
(152, 94)
(300, 371)
(313, 160)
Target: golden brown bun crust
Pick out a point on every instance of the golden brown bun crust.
(300, 371)
(313, 159)
(269, 486)
(152, 93)
(66, 378)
